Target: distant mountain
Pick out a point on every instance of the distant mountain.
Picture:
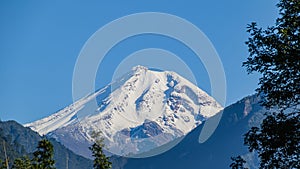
(144, 109)
(21, 141)
(227, 141)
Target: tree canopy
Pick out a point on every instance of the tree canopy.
(275, 54)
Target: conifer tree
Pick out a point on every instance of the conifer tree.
(100, 159)
(22, 163)
(43, 156)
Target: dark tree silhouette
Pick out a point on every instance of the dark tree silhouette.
(275, 53)
(43, 156)
(100, 159)
(276, 141)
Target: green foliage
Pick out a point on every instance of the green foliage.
(43, 156)
(275, 53)
(238, 163)
(22, 163)
(100, 159)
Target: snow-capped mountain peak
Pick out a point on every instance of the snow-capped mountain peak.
(143, 106)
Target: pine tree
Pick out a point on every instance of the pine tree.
(100, 159)
(275, 53)
(43, 156)
(22, 163)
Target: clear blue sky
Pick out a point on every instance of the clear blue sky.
(40, 41)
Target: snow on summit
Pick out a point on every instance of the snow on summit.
(140, 111)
